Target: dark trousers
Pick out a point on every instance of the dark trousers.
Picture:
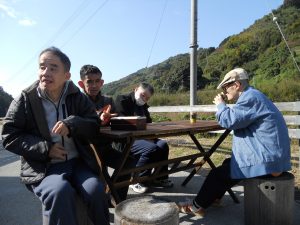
(112, 158)
(149, 152)
(57, 192)
(215, 185)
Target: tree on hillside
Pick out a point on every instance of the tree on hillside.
(5, 100)
(259, 49)
(292, 3)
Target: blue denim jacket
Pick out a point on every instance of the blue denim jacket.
(260, 137)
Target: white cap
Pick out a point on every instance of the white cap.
(234, 75)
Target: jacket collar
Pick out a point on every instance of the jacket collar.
(99, 97)
(72, 88)
(38, 109)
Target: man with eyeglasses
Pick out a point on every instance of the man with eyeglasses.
(260, 145)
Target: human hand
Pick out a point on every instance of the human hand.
(106, 115)
(60, 128)
(219, 99)
(57, 151)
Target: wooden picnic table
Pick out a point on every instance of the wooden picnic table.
(160, 130)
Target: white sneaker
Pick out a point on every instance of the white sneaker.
(138, 188)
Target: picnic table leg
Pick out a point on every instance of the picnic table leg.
(208, 160)
(192, 173)
(113, 179)
(207, 154)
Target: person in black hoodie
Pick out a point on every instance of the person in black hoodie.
(145, 151)
(49, 125)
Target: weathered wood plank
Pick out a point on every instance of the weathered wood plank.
(282, 106)
(292, 119)
(184, 108)
(288, 106)
(294, 133)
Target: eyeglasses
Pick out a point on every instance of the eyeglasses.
(225, 88)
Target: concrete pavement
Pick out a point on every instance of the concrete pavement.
(20, 207)
(17, 205)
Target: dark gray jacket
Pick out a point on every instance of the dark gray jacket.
(101, 101)
(25, 130)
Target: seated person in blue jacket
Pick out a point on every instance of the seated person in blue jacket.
(260, 145)
(145, 151)
(49, 126)
(91, 82)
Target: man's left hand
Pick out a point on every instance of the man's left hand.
(60, 128)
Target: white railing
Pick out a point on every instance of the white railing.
(282, 106)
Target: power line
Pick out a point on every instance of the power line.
(157, 30)
(85, 22)
(71, 19)
(64, 26)
(294, 60)
(284, 38)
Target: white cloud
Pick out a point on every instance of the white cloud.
(27, 22)
(9, 11)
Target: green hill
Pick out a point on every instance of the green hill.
(260, 49)
(5, 100)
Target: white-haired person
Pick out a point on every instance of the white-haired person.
(260, 144)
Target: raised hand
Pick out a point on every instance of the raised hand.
(106, 115)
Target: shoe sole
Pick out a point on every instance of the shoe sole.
(136, 191)
(198, 215)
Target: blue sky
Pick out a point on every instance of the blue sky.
(115, 35)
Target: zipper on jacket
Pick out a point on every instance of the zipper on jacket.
(64, 117)
(57, 119)
(57, 113)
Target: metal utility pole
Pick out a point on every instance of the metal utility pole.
(193, 59)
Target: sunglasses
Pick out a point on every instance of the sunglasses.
(225, 88)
